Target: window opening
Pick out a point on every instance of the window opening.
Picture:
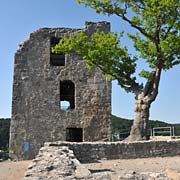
(67, 91)
(56, 59)
(64, 105)
(74, 134)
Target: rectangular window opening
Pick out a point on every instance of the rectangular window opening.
(67, 95)
(74, 134)
(59, 58)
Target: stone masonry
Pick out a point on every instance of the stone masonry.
(88, 152)
(43, 82)
(65, 160)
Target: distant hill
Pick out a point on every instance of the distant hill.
(4, 133)
(121, 125)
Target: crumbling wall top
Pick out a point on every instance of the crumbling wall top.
(59, 32)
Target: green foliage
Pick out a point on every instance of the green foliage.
(157, 23)
(177, 129)
(145, 74)
(103, 50)
(121, 125)
(156, 40)
(4, 133)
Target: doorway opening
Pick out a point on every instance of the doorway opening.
(74, 134)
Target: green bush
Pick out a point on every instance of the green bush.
(122, 125)
(4, 133)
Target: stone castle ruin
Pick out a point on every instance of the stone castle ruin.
(55, 98)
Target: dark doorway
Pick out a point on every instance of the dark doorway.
(74, 134)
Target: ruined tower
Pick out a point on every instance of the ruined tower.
(55, 98)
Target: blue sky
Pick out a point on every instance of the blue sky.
(21, 17)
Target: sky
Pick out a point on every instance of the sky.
(21, 17)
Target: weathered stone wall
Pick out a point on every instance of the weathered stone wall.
(36, 116)
(93, 151)
(56, 161)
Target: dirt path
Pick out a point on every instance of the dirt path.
(138, 165)
(15, 170)
(10, 170)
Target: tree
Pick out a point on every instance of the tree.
(157, 41)
(4, 133)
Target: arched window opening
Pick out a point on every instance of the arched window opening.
(59, 58)
(67, 92)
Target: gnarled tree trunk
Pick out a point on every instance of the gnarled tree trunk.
(139, 129)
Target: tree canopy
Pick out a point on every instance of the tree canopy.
(103, 50)
(156, 41)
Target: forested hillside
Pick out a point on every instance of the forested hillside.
(4, 133)
(121, 125)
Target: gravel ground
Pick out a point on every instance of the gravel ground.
(10, 170)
